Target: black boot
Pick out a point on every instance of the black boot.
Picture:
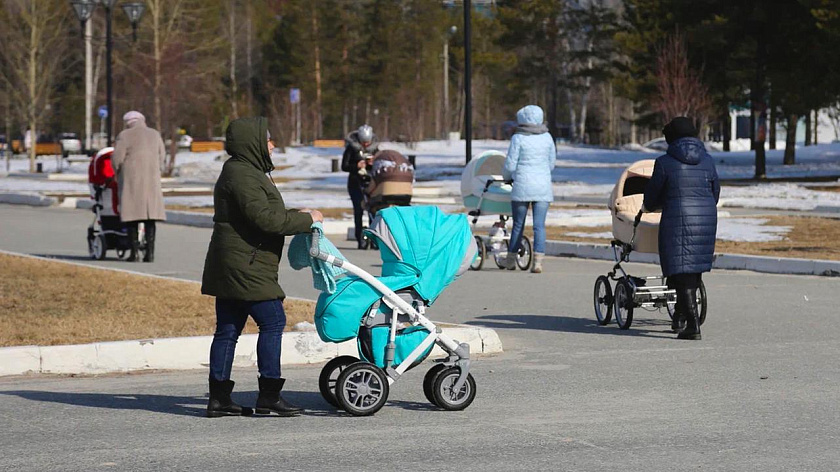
(220, 403)
(150, 242)
(678, 321)
(692, 322)
(132, 241)
(270, 400)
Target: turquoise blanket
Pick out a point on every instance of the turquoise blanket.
(323, 274)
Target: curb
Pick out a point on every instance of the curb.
(770, 265)
(32, 199)
(192, 353)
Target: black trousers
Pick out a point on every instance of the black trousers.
(150, 228)
(686, 286)
(358, 199)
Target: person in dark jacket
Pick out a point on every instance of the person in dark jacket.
(241, 268)
(686, 188)
(359, 148)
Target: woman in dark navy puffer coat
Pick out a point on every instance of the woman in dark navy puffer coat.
(686, 188)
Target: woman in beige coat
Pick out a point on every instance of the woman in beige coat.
(138, 159)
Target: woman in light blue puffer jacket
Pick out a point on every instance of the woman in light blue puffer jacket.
(529, 162)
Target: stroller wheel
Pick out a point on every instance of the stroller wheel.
(497, 255)
(329, 376)
(603, 300)
(524, 254)
(98, 247)
(429, 382)
(362, 389)
(445, 395)
(623, 304)
(478, 262)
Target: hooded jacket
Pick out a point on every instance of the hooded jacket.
(530, 158)
(251, 220)
(353, 154)
(686, 188)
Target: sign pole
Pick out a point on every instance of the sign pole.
(467, 79)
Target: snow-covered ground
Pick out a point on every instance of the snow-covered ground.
(729, 229)
(306, 179)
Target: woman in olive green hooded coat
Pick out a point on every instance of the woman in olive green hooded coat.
(241, 268)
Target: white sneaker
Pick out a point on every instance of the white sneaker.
(538, 259)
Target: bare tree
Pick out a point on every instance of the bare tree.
(37, 31)
(681, 92)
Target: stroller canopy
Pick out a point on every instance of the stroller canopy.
(422, 248)
(488, 165)
(426, 242)
(626, 201)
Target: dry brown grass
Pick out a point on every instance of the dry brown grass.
(809, 238)
(50, 303)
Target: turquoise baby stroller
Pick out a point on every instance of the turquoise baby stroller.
(423, 250)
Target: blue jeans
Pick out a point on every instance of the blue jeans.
(231, 316)
(520, 212)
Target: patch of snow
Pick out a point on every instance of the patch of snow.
(750, 230)
(580, 234)
(303, 326)
(785, 196)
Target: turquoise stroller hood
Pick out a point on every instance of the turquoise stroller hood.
(421, 247)
(424, 241)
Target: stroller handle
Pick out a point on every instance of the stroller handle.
(315, 248)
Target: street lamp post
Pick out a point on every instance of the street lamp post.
(446, 118)
(467, 79)
(84, 9)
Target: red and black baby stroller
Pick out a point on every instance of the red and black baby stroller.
(107, 230)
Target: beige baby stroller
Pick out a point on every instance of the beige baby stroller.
(634, 231)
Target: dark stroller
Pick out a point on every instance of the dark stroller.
(107, 230)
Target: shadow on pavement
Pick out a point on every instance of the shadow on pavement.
(568, 324)
(185, 406)
(312, 402)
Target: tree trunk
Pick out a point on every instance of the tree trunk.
(757, 99)
(33, 57)
(249, 64)
(816, 125)
(790, 140)
(808, 128)
(156, 12)
(633, 126)
(319, 124)
(552, 106)
(233, 86)
(772, 131)
(727, 131)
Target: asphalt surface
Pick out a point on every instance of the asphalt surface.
(761, 391)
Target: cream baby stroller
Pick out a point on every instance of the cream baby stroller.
(484, 191)
(634, 231)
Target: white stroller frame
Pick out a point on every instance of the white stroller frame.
(634, 292)
(486, 243)
(458, 353)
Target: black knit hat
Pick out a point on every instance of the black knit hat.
(679, 127)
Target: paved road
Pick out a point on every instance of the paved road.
(760, 392)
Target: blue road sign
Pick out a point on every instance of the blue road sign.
(103, 111)
(294, 95)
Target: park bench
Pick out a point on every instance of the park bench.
(206, 146)
(328, 143)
